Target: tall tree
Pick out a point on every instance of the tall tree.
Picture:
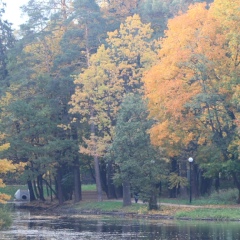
(89, 30)
(38, 101)
(158, 12)
(192, 87)
(113, 72)
(140, 165)
(7, 40)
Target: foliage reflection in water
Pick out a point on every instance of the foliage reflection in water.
(34, 226)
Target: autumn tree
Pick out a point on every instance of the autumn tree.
(5, 166)
(113, 71)
(192, 87)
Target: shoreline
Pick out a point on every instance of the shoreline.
(166, 212)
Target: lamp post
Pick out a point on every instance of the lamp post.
(190, 160)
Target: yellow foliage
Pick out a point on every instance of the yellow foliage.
(177, 181)
(45, 50)
(2, 183)
(6, 166)
(4, 147)
(20, 167)
(111, 73)
(4, 197)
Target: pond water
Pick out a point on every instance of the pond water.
(36, 226)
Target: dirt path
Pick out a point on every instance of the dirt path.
(180, 205)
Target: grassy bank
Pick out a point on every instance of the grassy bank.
(218, 206)
(218, 214)
(111, 206)
(223, 213)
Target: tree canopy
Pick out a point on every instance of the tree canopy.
(192, 90)
(73, 82)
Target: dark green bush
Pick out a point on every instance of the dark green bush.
(5, 217)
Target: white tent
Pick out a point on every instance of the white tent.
(22, 195)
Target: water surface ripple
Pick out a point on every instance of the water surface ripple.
(38, 226)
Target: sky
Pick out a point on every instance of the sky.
(13, 12)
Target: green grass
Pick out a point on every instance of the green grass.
(200, 201)
(112, 206)
(89, 187)
(219, 214)
(174, 200)
(11, 189)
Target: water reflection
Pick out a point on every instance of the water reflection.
(36, 226)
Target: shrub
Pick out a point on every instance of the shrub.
(5, 218)
(225, 195)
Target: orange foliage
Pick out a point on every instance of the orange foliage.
(193, 60)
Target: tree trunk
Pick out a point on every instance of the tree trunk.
(238, 199)
(96, 162)
(31, 191)
(76, 170)
(217, 182)
(59, 187)
(87, 46)
(40, 187)
(174, 169)
(119, 191)
(50, 187)
(153, 204)
(126, 194)
(98, 180)
(77, 184)
(195, 180)
(205, 184)
(237, 183)
(103, 177)
(35, 189)
(111, 187)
